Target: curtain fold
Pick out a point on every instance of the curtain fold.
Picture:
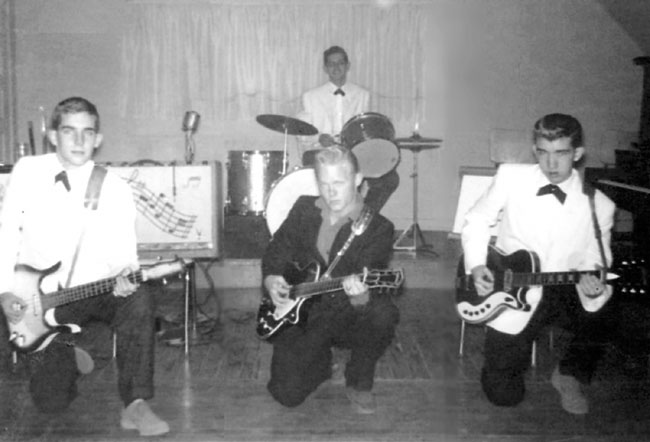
(231, 62)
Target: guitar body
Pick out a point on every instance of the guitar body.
(31, 331)
(271, 319)
(477, 309)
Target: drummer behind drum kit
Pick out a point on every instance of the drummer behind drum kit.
(258, 182)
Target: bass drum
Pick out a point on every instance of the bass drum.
(285, 192)
(370, 136)
(250, 176)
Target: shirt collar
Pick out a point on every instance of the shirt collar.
(566, 185)
(334, 87)
(76, 176)
(352, 216)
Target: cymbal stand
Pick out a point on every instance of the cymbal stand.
(419, 243)
(285, 159)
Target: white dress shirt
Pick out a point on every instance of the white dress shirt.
(41, 223)
(329, 112)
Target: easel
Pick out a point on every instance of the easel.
(168, 190)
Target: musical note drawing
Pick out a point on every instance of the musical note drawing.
(192, 182)
(158, 210)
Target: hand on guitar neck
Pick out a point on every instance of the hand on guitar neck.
(589, 285)
(123, 285)
(279, 290)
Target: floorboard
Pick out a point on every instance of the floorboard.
(425, 391)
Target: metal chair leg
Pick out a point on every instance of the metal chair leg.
(461, 345)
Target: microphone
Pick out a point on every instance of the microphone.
(191, 121)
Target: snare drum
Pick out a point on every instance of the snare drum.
(285, 192)
(371, 136)
(250, 176)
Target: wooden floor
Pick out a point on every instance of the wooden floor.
(425, 392)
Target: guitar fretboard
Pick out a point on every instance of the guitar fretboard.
(307, 289)
(387, 279)
(550, 278)
(84, 291)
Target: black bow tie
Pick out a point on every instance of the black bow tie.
(63, 177)
(554, 190)
(340, 92)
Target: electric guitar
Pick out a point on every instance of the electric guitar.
(271, 319)
(32, 332)
(514, 274)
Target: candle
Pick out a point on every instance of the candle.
(416, 128)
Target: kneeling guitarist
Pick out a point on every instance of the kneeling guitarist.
(61, 208)
(544, 210)
(319, 229)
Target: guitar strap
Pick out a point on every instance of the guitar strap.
(91, 201)
(597, 231)
(358, 227)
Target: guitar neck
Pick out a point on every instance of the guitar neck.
(85, 291)
(307, 289)
(549, 278)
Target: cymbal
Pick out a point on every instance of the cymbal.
(291, 126)
(417, 141)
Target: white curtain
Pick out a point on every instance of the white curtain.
(233, 61)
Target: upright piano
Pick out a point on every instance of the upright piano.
(628, 185)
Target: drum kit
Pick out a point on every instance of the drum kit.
(258, 181)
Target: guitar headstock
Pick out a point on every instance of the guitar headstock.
(633, 276)
(165, 268)
(383, 279)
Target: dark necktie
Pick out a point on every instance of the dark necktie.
(552, 189)
(340, 92)
(63, 177)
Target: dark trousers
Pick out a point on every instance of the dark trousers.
(54, 372)
(302, 355)
(507, 357)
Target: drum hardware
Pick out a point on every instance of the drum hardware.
(287, 126)
(415, 144)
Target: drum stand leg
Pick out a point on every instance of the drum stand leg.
(285, 159)
(418, 244)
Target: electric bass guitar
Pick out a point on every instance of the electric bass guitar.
(514, 274)
(271, 319)
(32, 332)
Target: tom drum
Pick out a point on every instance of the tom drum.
(250, 177)
(370, 135)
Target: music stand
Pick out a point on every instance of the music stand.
(415, 144)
